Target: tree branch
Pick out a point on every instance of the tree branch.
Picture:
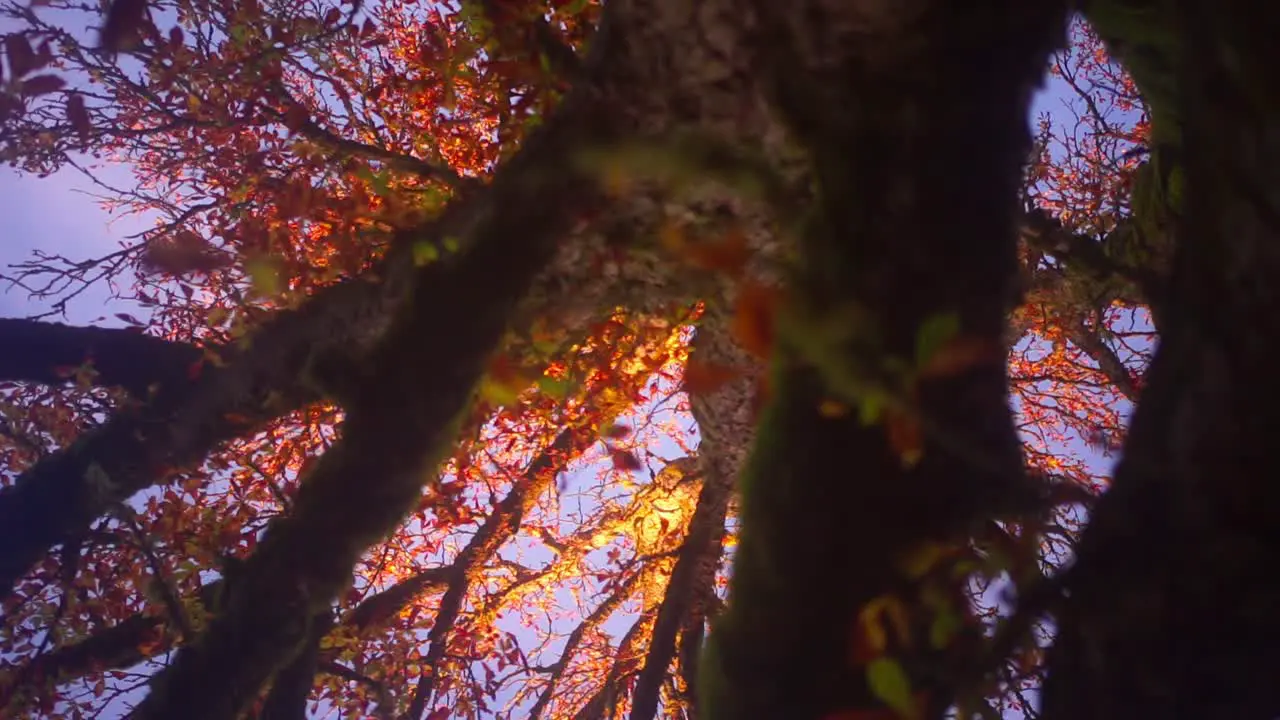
(399, 423)
(49, 353)
(503, 523)
(697, 561)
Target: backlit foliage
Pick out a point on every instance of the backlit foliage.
(274, 147)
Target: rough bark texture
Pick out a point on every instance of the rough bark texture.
(1171, 603)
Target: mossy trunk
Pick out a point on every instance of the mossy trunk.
(1171, 605)
(915, 116)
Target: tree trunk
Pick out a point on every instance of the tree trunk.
(1170, 610)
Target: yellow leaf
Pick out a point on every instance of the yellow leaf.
(424, 252)
(218, 315)
(264, 275)
(873, 616)
(919, 560)
(888, 682)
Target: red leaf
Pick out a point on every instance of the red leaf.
(124, 19)
(65, 371)
(617, 432)
(78, 116)
(129, 318)
(753, 318)
(42, 85)
(44, 54)
(623, 460)
(296, 118)
(704, 378)
(175, 36)
(21, 59)
(332, 17)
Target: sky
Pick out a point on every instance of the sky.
(59, 215)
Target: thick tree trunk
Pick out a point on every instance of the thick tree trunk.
(915, 114)
(1171, 604)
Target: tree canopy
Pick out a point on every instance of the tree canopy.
(578, 359)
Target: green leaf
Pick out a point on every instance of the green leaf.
(558, 389)
(889, 683)
(425, 252)
(870, 409)
(945, 625)
(933, 334)
(498, 393)
(264, 275)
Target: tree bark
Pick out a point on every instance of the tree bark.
(915, 115)
(49, 353)
(1170, 605)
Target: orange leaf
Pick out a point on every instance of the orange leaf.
(833, 409)
(705, 377)
(623, 460)
(754, 316)
(729, 255)
(865, 643)
(905, 437)
(960, 354)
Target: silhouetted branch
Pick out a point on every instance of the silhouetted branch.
(49, 353)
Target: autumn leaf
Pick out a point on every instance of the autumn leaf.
(625, 461)
(754, 317)
(905, 437)
(924, 557)
(78, 116)
(833, 409)
(888, 682)
(704, 378)
(960, 354)
(728, 255)
(872, 624)
(42, 85)
(19, 54)
(933, 334)
(264, 275)
(123, 22)
(617, 432)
